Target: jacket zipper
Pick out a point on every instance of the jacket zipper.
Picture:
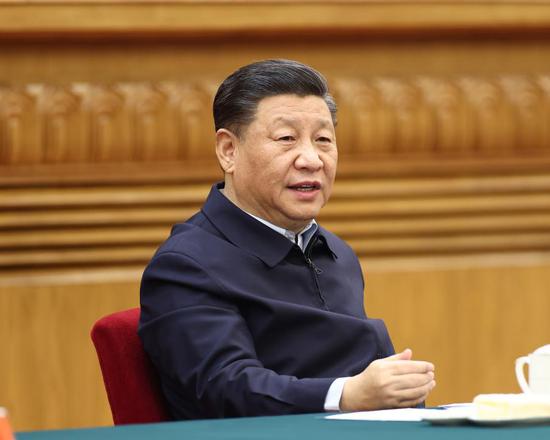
(315, 271)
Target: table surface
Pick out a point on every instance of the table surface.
(305, 426)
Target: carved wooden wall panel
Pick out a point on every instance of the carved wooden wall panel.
(441, 117)
(91, 123)
(422, 117)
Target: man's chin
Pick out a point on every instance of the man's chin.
(304, 218)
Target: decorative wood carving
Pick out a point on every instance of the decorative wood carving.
(121, 123)
(431, 117)
(443, 117)
(19, 128)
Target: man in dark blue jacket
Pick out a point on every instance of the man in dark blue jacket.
(250, 307)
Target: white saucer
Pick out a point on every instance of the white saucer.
(454, 419)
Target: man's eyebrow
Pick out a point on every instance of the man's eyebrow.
(326, 123)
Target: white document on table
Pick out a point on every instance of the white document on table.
(400, 415)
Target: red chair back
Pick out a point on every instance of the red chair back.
(132, 385)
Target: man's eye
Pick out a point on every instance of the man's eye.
(286, 138)
(324, 139)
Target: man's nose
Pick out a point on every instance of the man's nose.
(308, 157)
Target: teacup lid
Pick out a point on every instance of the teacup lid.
(545, 349)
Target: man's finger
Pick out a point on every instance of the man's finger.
(405, 355)
(411, 403)
(409, 367)
(415, 394)
(416, 380)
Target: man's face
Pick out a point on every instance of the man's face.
(284, 162)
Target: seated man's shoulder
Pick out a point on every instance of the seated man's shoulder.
(335, 243)
(193, 238)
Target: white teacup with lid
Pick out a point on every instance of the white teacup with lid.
(539, 371)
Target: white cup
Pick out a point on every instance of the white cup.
(539, 371)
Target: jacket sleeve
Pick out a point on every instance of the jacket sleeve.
(201, 346)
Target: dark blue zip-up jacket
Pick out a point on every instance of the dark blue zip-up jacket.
(238, 321)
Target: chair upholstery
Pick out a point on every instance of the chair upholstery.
(132, 385)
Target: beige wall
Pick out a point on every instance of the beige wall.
(443, 187)
(50, 373)
(471, 316)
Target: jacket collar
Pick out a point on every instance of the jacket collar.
(246, 232)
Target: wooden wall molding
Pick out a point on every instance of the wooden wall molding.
(388, 218)
(95, 123)
(193, 18)
(381, 117)
(442, 116)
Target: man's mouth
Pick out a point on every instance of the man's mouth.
(306, 186)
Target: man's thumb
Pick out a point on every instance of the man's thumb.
(405, 355)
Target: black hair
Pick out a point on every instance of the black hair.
(238, 96)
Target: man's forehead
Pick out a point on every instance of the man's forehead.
(288, 109)
(293, 120)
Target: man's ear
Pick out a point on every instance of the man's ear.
(226, 149)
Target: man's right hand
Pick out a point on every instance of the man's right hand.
(392, 382)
